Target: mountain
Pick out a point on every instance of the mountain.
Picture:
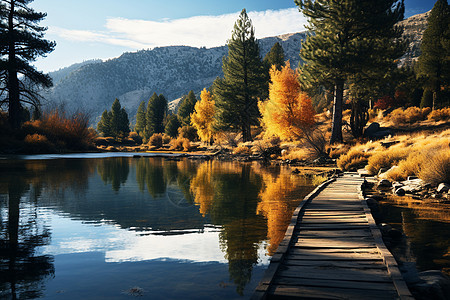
(133, 77)
(172, 71)
(413, 29)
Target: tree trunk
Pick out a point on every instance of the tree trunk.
(13, 82)
(246, 132)
(336, 129)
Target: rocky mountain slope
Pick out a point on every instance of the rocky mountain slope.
(134, 77)
(172, 71)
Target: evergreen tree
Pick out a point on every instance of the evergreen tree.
(350, 37)
(237, 93)
(427, 99)
(104, 126)
(156, 111)
(434, 62)
(187, 108)
(172, 125)
(140, 119)
(21, 42)
(274, 57)
(120, 125)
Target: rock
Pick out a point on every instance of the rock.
(412, 178)
(382, 170)
(371, 129)
(384, 183)
(385, 228)
(409, 272)
(443, 187)
(395, 233)
(400, 191)
(433, 285)
(396, 185)
(371, 202)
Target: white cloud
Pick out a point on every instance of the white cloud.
(195, 31)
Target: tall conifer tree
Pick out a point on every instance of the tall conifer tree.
(21, 42)
(274, 57)
(237, 93)
(434, 62)
(187, 108)
(140, 119)
(350, 37)
(156, 111)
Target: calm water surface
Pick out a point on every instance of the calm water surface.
(118, 227)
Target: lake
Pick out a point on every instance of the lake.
(115, 226)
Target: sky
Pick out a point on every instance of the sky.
(104, 29)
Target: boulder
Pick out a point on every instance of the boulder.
(384, 183)
(434, 285)
(443, 187)
(400, 191)
(371, 129)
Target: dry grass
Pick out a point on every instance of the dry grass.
(437, 168)
(354, 159)
(409, 116)
(440, 115)
(386, 159)
(298, 154)
(242, 150)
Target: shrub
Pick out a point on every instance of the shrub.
(166, 139)
(384, 102)
(440, 115)
(386, 159)
(67, 131)
(400, 117)
(437, 168)
(188, 132)
(242, 150)
(156, 140)
(38, 143)
(354, 159)
(180, 144)
(407, 167)
(135, 137)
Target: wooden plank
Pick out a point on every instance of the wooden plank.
(347, 226)
(309, 251)
(333, 273)
(334, 216)
(295, 253)
(332, 221)
(335, 243)
(333, 233)
(361, 264)
(378, 286)
(296, 292)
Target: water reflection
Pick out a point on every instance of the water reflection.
(169, 209)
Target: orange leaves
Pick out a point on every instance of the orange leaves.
(288, 110)
(203, 117)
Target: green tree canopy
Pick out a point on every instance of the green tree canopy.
(187, 108)
(104, 126)
(434, 62)
(351, 38)
(21, 42)
(114, 123)
(156, 111)
(140, 119)
(237, 93)
(274, 57)
(172, 125)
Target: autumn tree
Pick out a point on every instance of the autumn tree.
(187, 108)
(288, 110)
(350, 37)
(156, 111)
(237, 93)
(434, 62)
(21, 42)
(141, 121)
(203, 117)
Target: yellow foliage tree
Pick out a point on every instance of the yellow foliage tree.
(288, 112)
(203, 116)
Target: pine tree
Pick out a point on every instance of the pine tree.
(104, 126)
(187, 108)
(237, 93)
(21, 42)
(350, 37)
(172, 125)
(274, 57)
(156, 111)
(434, 62)
(140, 119)
(203, 117)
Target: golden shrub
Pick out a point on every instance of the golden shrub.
(440, 115)
(355, 158)
(437, 168)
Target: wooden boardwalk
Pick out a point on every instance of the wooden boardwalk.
(333, 250)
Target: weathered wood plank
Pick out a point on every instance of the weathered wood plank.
(333, 233)
(378, 286)
(291, 292)
(367, 264)
(333, 273)
(335, 243)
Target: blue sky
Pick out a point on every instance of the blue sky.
(105, 29)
